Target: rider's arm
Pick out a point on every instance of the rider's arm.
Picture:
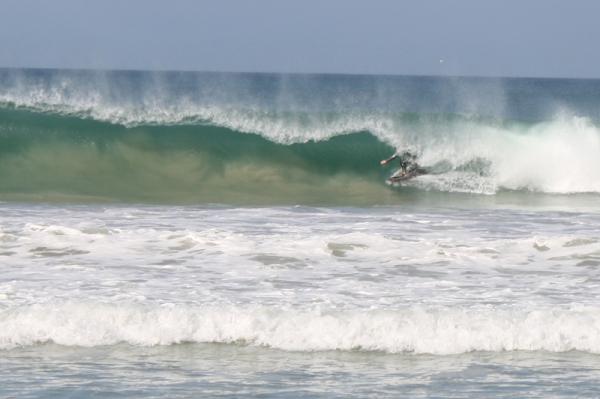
(389, 159)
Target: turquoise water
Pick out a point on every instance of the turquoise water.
(201, 234)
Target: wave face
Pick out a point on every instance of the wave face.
(287, 139)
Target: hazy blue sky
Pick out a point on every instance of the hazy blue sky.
(472, 37)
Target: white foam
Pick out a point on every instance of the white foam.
(415, 329)
(300, 278)
(558, 156)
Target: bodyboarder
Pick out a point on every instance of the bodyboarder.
(409, 167)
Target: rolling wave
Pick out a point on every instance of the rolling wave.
(276, 140)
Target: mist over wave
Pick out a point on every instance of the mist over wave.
(230, 138)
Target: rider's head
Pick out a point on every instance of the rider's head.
(408, 155)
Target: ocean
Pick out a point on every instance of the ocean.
(188, 234)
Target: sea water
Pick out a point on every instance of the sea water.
(227, 235)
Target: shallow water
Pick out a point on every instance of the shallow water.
(232, 371)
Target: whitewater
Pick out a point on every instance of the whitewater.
(164, 234)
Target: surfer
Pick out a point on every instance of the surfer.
(409, 167)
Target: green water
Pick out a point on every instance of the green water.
(55, 158)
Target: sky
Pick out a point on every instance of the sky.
(541, 38)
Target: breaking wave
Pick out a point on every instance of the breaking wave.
(247, 140)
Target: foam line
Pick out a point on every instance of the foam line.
(418, 330)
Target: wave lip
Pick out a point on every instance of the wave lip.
(419, 330)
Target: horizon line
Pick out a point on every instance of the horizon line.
(234, 72)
